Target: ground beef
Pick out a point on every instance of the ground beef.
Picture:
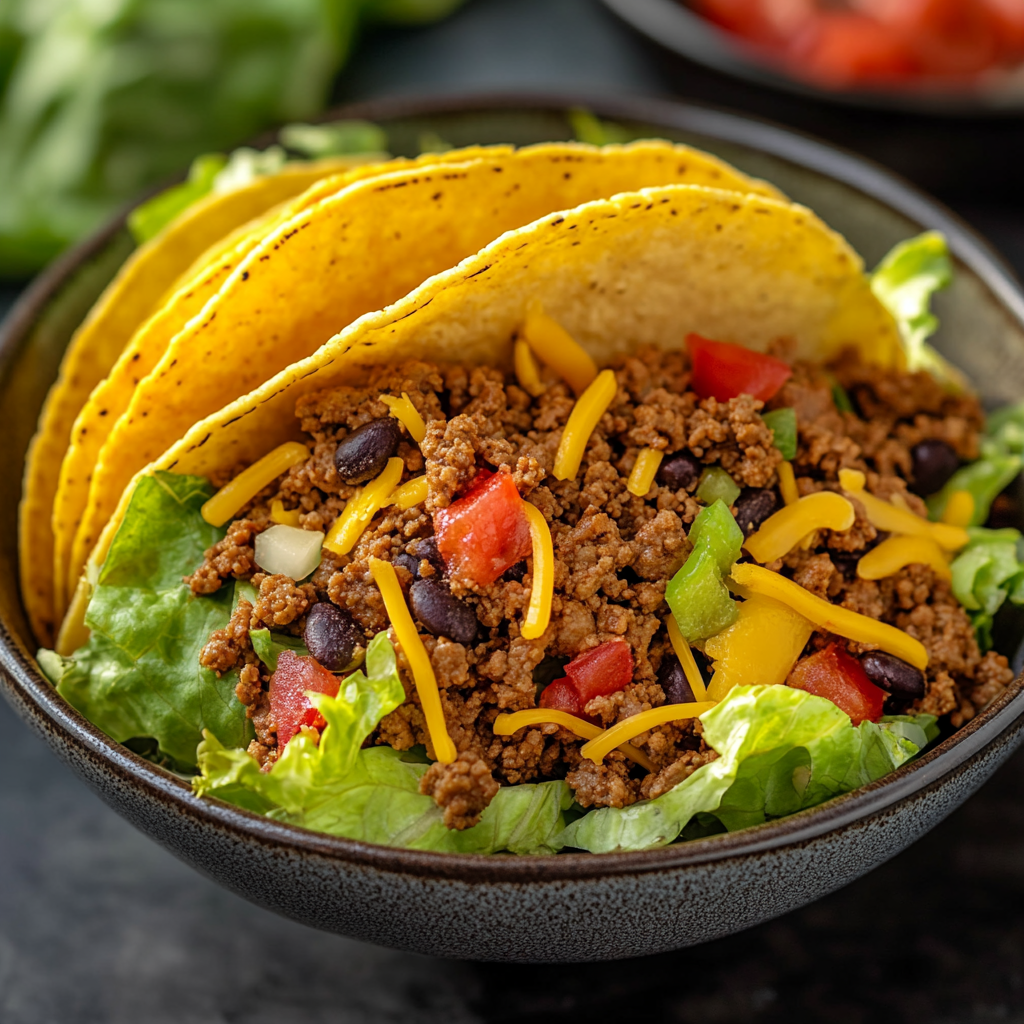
(604, 785)
(229, 646)
(683, 767)
(234, 556)
(462, 789)
(281, 600)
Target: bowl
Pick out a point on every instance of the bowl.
(572, 906)
(673, 26)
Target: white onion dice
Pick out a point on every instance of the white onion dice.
(288, 550)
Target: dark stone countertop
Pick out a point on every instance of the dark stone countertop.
(98, 925)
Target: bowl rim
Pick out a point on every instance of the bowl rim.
(38, 702)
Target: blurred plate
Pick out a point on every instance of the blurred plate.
(674, 27)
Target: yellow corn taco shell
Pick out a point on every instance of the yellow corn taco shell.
(147, 344)
(645, 268)
(353, 252)
(128, 300)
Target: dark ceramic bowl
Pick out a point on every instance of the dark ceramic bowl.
(670, 24)
(574, 906)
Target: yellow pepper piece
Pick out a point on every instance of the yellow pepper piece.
(412, 492)
(852, 480)
(585, 416)
(505, 725)
(644, 469)
(240, 491)
(362, 507)
(761, 646)
(686, 659)
(959, 510)
(781, 532)
(895, 552)
(279, 515)
(554, 346)
(538, 614)
(527, 372)
(406, 413)
(423, 677)
(830, 617)
(787, 483)
(599, 747)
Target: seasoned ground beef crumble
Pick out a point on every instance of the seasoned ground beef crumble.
(614, 553)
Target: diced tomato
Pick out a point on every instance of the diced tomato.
(603, 670)
(1008, 18)
(725, 370)
(289, 705)
(746, 18)
(837, 676)
(561, 695)
(484, 532)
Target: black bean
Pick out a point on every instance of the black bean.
(332, 636)
(365, 452)
(892, 674)
(679, 470)
(672, 679)
(515, 573)
(754, 506)
(408, 562)
(427, 548)
(442, 613)
(934, 463)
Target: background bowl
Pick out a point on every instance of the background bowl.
(574, 906)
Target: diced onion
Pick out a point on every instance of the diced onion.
(644, 469)
(781, 532)
(412, 492)
(897, 551)
(554, 346)
(831, 617)
(506, 725)
(527, 372)
(289, 551)
(407, 414)
(787, 483)
(585, 416)
(362, 507)
(240, 491)
(538, 613)
(599, 747)
(423, 677)
(685, 655)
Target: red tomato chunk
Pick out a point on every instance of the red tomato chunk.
(601, 671)
(724, 371)
(561, 695)
(289, 705)
(484, 532)
(837, 676)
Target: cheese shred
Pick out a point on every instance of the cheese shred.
(686, 659)
(585, 416)
(527, 371)
(787, 483)
(362, 507)
(830, 617)
(781, 532)
(598, 748)
(423, 677)
(538, 613)
(554, 346)
(412, 492)
(279, 515)
(959, 510)
(897, 551)
(506, 725)
(644, 470)
(407, 414)
(240, 491)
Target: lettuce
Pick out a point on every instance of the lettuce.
(139, 674)
(987, 572)
(781, 750)
(373, 794)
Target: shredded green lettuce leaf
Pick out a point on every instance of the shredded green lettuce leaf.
(139, 674)
(781, 750)
(986, 573)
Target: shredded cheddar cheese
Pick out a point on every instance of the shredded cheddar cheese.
(419, 662)
(644, 470)
(787, 483)
(852, 480)
(527, 371)
(412, 492)
(897, 551)
(506, 725)
(686, 659)
(781, 532)
(279, 515)
(833, 618)
(585, 416)
(599, 747)
(240, 491)
(538, 614)
(406, 413)
(959, 510)
(362, 507)
(554, 346)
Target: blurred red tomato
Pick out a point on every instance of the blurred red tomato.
(847, 50)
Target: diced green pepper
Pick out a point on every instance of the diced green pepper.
(716, 529)
(782, 424)
(716, 484)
